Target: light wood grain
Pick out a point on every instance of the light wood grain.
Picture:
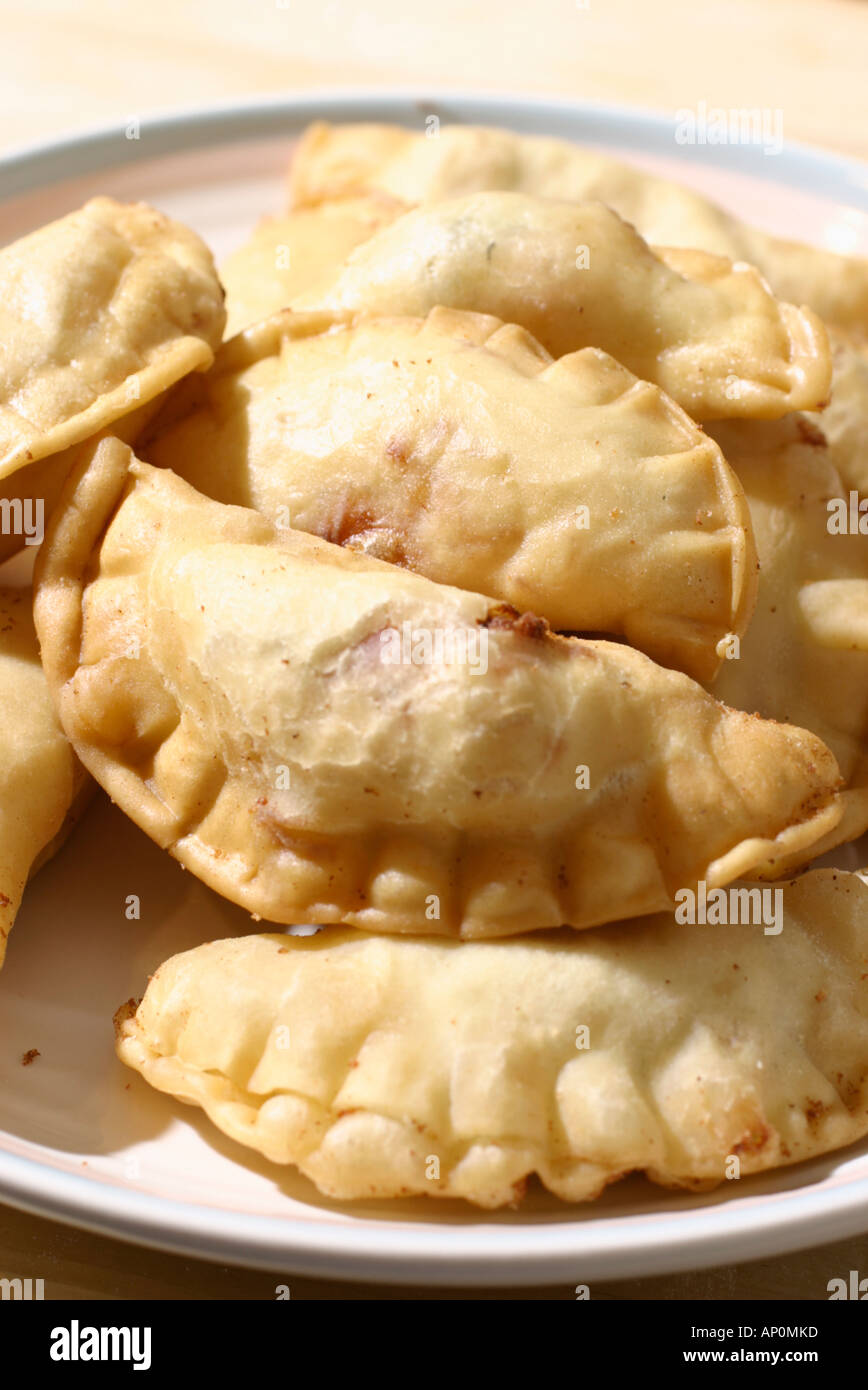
(66, 68)
(75, 1264)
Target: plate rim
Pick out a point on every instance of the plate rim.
(29, 167)
(611, 1247)
(540, 1253)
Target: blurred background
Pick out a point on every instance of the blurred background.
(69, 64)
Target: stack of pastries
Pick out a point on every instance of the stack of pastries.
(480, 595)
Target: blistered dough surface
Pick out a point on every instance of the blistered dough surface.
(385, 1068)
(246, 695)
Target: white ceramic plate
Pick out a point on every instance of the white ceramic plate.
(85, 1140)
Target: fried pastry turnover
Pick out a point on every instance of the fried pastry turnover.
(709, 332)
(386, 1067)
(804, 657)
(291, 255)
(323, 737)
(355, 160)
(100, 312)
(456, 447)
(42, 785)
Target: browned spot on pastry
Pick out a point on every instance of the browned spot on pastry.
(529, 625)
(504, 616)
(4, 901)
(357, 528)
(399, 449)
(346, 523)
(810, 433)
(814, 1111)
(753, 1141)
(126, 1011)
(500, 615)
(519, 1189)
(850, 1091)
(30, 1056)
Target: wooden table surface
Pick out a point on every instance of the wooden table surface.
(67, 67)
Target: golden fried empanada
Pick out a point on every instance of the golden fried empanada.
(708, 332)
(324, 737)
(844, 422)
(289, 255)
(29, 496)
(99, 313)
(384, 1068)
(804, 658)
(455, 446)
(355, 160)
(42, 784)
